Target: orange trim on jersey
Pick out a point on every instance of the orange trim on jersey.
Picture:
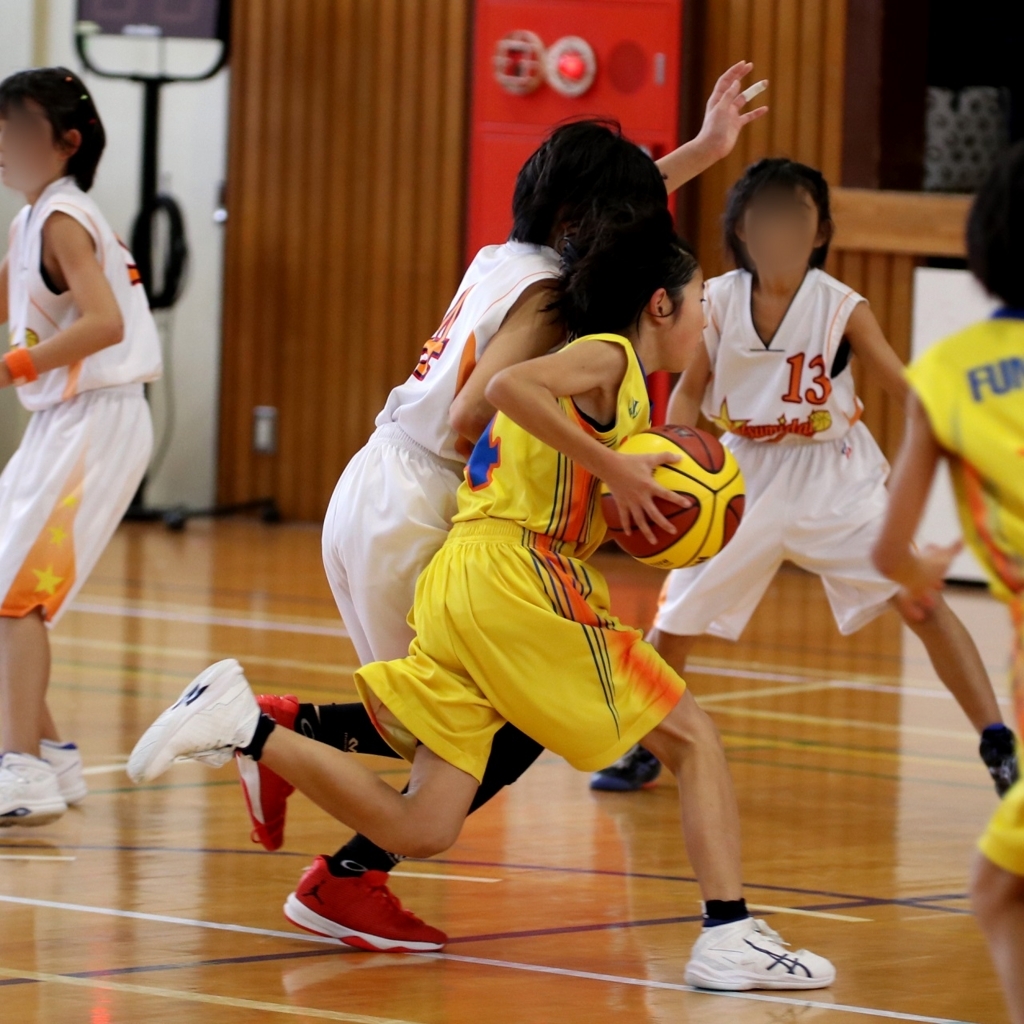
(71, 387)
(858, 413)
(48, 573)
(40, 309)
(835, 317)
(980, 510)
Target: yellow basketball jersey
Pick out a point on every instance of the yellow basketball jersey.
(513, 476)
(972, 388)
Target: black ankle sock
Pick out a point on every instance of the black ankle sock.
(718, 912)
(347, 727)
(998, 739)
(358, 856)
(264, 727)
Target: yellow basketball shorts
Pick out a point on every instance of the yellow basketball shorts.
(511, 628)
(1003, 839)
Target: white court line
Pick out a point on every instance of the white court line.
(105, 769)
(756, 997)
(33, 856)
(206, 619)
(138, 915)
(696, 667)
(185, 995)
(443, 878)
(503, 964)
(767, 908)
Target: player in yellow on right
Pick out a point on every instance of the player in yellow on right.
(967, 403)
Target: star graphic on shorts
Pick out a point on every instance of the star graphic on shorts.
(726, 422)
(47, 581)
(58, 535)
(70, 501)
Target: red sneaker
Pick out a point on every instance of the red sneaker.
(266, 793)
(360, 911)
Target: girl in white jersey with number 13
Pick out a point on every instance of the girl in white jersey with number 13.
(775, 374)
(82, 342)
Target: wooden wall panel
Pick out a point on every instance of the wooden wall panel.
(343, 242)
(798, 45)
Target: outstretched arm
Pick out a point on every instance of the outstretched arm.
(528, 394)
(921, 574)
(869, 345)
(724, 119)
(100, 324)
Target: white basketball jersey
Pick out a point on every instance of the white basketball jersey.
(495, 279)
(37, 312)
(799, 386)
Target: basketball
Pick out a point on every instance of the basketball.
(708, 475)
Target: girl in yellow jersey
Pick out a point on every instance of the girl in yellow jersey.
(968, 404)
(511, 623)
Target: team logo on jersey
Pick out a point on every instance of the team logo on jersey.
(486, 458)
(134, 276)
(31, 338)
(434, 349)
(996, 378)
(634, 408)
(816, 423)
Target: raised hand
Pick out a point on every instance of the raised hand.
(724, 116)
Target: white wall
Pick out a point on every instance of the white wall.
(192, 164)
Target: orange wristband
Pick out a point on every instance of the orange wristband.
(20, 366)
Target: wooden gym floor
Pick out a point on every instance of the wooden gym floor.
(860, 789)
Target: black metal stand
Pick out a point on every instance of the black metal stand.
(151, 201)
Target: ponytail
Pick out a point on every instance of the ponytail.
(612, 264)
(68, 106)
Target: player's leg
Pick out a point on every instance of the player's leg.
(217, 716)
(387, 516)
(734, 950)
(29, 785)
(24, 677)
(997, 897)
(957, 662)
(717, 597)
(61, 498)
(845, 505)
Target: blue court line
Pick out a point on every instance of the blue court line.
(227, 961)
(850, 900)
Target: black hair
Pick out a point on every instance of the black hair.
(579, 163)
(615, 260)
(995, 229)
(68, 106)
(775, 173)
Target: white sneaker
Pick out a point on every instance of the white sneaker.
(748, 954)
(214, 716)
(29, 791)
(67, 762)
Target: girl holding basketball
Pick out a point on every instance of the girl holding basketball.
(774, 372)
(393, 505)
(83, 341)
(509, 602)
